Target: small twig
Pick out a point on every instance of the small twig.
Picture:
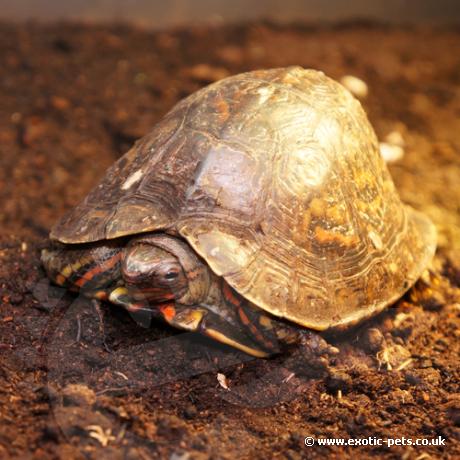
(121, 374)
(404, 364)
(289, 377)
(108, 390)
(97, 306)
(78, 329)
(121, 433)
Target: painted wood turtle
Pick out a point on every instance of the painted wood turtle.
(258, 199)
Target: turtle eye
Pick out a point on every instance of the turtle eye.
(171, 275)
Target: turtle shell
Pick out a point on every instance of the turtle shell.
(274, 177)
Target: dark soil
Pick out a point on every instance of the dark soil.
(73, 98)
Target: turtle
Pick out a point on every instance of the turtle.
(258, 206)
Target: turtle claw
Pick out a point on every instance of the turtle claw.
(141, 313)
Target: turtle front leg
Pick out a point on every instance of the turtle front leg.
(93, 270)
(229, 318)
(195, 318)
(205, 321)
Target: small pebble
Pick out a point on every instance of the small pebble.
(361, 419)
(391, 153)
(31, 130)
(412, 378)
(355, 85)
(16, 299)
(223, 382)
(231, 54)
(372, 340)
(338, 381)
(434, 302)
(190, 411)
(206, 73)
(180, 456)
(60, 103)
(16, 117)
(292, 454)
(297, 438)
(395, 138)
(78, 395)
(453, 409)
(51, 433)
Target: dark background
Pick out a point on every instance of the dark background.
(166, 13)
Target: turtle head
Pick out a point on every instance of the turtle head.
(160, 268)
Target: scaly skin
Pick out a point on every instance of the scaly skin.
(161, 275)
